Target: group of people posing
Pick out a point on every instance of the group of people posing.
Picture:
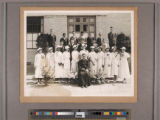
(82, 61)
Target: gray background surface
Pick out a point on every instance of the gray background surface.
(142, 110)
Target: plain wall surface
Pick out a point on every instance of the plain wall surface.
(142, 110)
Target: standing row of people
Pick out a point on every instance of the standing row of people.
(70, 64)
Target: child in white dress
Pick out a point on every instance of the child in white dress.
(58, 63)
(124, 72)
(51, 62)
(39, 64)
(74, 62)
(115, 63)
(100, 61)
(100, 64)
(107, 63)
(93, 62)
(66, 62)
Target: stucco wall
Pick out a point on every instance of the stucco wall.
(57, 23)
(119, 22)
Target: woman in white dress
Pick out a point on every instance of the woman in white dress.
(66, 61)
(93, 62)
(51, 62)
(74, 62)
(124, 72)
(58, 63)
(115, 63)
(100, 62)
(39, 64)
(107, 63)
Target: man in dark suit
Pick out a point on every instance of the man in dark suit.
(64, 39)
(99, 40)
(83, 66)
(73, 39)
(81, 39)
(110, 37)
(53, 39)
(89, 43)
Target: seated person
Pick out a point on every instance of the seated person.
(83, 76)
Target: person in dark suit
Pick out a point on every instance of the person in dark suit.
(83, 76)
(110, 37)
(99, 40)
(53, 37)
(72, 43)
(64, 39)
(81, 39)
(89, 42)
(73, 39)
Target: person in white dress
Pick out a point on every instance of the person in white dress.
(107, 63)
(58, 63)
(115, 63)
(100, 62)
(51, 62)
(66, 61)
(74, 62)
(124, 72)
(84, 51)
(93, 62)
(39, 64)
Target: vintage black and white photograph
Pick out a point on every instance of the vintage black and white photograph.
(79, 52)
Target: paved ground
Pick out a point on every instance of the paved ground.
(64, 89)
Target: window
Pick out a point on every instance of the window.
(77, 28)
(86, 24)
(34, 27)
(85, 28)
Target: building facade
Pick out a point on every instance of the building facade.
(90, 25)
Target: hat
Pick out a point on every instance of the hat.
(84, 45)
(58, 46)
(67, 47)
(123, 48)
(99, 47)
(112, 47)
(74, 46)
(92, 47)
(50, 48)
(39, 49)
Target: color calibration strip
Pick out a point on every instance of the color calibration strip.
(53, 113)
(115, 113)
(79, 114)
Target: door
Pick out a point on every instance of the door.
(86, 24)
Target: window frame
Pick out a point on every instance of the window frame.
(41, 24)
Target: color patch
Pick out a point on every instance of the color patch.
(46, 113)
(113, 113)
(53, 113)
(50, 113)
(118, 113)
(56, 113)
(121, 113)
(106, 113)
(37, 113)
(110, 113)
